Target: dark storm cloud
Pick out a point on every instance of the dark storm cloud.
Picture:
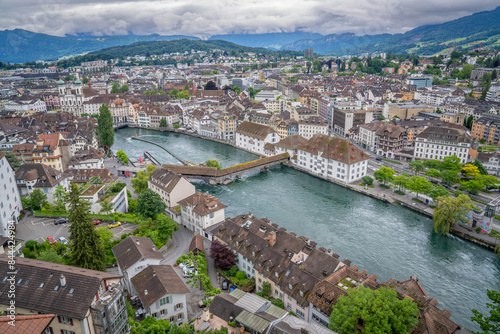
(206, 18)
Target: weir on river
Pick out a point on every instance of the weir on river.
(384, 239)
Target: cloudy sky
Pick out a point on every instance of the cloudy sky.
(204, 18)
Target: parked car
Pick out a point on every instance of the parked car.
(225, 284)
(63, 240)
(51, 240)
(378, 159)
(62, 220)
(232, 287)
(116, 224)
(188, 271)
(96, 221)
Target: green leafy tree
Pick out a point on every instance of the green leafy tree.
(14, 163)
(163, 123)
(140, 183)
(174, 94)
(107, 207)
(87, 250)
(452, 163)
(400, 181)
(105, 128)
(416, 166)
(50, 255)
(449, 177)
(418, 184)
(450, 210)
(105, 234)
(384, 175)
(368, 180)
(166, 227)
(491, 323)
(122, 156)
(132, 205)
(432, 172)
(433, 164)
(37, 199)
(184, 94)
(438, 191)
(115, 88)
(480, 167)
(85, 80)
(60, 198)
(149, 204)
(213, 163)
(124, 89)
(379, 311)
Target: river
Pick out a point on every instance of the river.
(384, 239)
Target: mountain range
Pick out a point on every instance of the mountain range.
(479, 29)
(470, 31)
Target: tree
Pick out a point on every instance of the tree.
(400, 181)
(105, 128)
(213, 163)
(87, 250)
(266, 290)
(450, 210)
(432, 172)
(60, 198)
(149, 204)
(223, 256)
(418, 184)
(165, 227)
(105, 234)
(469, 170)
(163, 123)
(384, 175)
(491, 323)
(14, 163)
(480, 167)
(452, 163)
(122, 156)
(416, 166)
(37, 199)
(433, 164)
(368, 180)
(449, 177)
(173, 94)
(124, 89)
(107, 207)
(115, 88)
(438, 191)
(140, 183)
(85, 80)
(377, 311)
(184, 94)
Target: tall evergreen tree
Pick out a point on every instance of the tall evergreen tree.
(105, 128)
(87, 250)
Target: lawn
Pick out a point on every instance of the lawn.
(121, 217)
(393, 161)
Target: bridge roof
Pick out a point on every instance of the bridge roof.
(214, 172)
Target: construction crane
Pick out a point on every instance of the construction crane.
(450, 45)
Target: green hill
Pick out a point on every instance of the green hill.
(19, 46)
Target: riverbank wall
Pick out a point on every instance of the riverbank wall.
(462, 232)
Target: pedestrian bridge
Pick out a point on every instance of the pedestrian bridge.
(214, 176)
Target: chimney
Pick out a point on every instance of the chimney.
(206, 314)
(272, 238)
(137, 241)
(63, 280)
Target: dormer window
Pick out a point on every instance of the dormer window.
(253, 253)
(276, 274)
(267, 268)
(290, 286)
(237, 243)
(301, 293)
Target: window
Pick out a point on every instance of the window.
(299, 313)
(178, 307)
(154, 315)
(171, 319)
(289, 306)
(164, 300)
(163, 312)
(65, 331)
(180, 316)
